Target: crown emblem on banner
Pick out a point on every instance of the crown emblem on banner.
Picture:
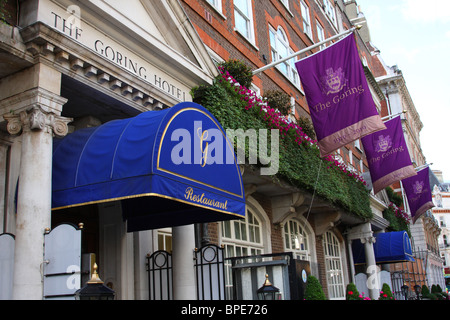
(334, 81)
(383, 144)
(418, 187)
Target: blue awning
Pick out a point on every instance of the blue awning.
(169, 168)
(389, 247)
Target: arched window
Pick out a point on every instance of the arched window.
(280, 49)
(242, 237)
(247, 237)
(296, 240)
(333, 265)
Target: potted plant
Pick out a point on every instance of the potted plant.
(239, 71)
(386, 293)
(313, 290)
(352, 292)
(426, 294)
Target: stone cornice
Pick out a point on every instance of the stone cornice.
(68, 57)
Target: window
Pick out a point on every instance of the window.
(243, 18)
(165, 239)
(329, 11)
(280, 50)
(240, 238)
(285, 3)
(217, 4)
(296, 240)
(358, 145)
(320, 34)
(333, 265)
(306, 19)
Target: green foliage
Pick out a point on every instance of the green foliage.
(426, 294)
(386, 293)
(307, 126)
(396, 223)
(394, 197)
(352, 292)
(425, 290)
(278, 100)
(240, 71)
(299, 163)
(437, 293)
(3, 13)
(313, 289)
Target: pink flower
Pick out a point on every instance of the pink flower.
(276, 120)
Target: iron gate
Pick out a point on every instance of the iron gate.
(410, 274)
(209, 272)
(159, 268)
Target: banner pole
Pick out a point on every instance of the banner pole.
(305, 50)
(423, 166)
(394, 115)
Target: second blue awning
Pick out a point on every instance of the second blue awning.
(168, 168)
(389, 247)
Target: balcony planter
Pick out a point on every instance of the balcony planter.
(236, 107)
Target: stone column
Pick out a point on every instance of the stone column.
(373, 283)
(183, 245)
(34, 190)
(364, 233)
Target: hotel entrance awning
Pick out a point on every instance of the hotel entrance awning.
(389, 247)
(168, 168)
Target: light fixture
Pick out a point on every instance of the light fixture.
(95, 289)
(267, 291)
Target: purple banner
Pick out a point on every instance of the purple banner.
(341, 105)
(418, 192)
(387, 155)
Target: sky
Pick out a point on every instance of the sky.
(415, 36)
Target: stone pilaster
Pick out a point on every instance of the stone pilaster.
(36, 124)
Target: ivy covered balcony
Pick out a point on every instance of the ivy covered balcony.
(300, 166)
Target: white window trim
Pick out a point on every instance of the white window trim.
(308, 15)
(325, 10)
(334, 259)
(251, 38)
(217, 6)
(292, 71)
(320, 34)
(285, 3)
(307, 234)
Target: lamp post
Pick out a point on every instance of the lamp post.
(417, 290)
(267, 291)
(405, 290)
(95, 289)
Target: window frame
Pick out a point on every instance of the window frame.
(330, 11)
(302, 254)
(306, 15)
(216, 4)
(320, 34)
(250, 25)
(237, 247)
(289, 70)
(334, 266)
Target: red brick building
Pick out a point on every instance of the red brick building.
(259, 33)
(272, 30)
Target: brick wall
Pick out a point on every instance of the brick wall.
(321, 264)
(218, 33)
